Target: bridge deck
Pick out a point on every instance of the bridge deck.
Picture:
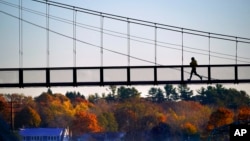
(122, 75)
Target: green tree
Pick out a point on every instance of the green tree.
(74, 95)
(49, 91)
(221, 96)
(93, 98)
(152, 92)
(171, 94)
(112, 95)
(185, 92)
(156, 94)
(124, 93)
(160, 96)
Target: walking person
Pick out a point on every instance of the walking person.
(194, 64)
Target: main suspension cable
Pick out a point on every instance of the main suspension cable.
(98, 29)
(102, 30)
(150, 24)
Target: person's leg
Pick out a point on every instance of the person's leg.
(197, 74)
(192, 71)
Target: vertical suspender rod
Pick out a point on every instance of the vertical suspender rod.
(20, 34)
(155, 41)
(101, 37)
(47, 30)
(209, 49)
(74, 37)
(128, 40)
(182, 46)
(236, 52)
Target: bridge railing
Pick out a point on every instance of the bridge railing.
(122, 75)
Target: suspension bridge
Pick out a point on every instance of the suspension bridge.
(82, 47)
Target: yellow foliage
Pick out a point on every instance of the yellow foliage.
(81, 107)
(189, 128)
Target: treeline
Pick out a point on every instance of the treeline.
(173, 113)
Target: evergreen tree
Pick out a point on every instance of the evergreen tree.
(221, 96)
(49, 91)
(171, 94)
(156, 94)
(112, 95)
(185, 92)
(124, 93)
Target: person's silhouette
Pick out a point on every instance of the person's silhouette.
(194, 64)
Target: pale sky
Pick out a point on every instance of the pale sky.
(230, 17)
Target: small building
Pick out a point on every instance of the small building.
(44, 134)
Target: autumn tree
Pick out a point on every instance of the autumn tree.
(108, 122)
(189, 129)
(85, 122)
(4, 108)
(222, 116)
(244, 113)
(179, 113)
(19, 101)
(14, 102)
(55, 110)
(44, 98)
(27, 117)
(136, 115)
(80, 104)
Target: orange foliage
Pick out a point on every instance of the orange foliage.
(244, 113)
(220, 117)
(4, 108)
(178, 113)
(161, 117)
(85, 122)
(137, 115)
(189, 128)
(132, 115)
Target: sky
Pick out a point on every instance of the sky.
(228, 17)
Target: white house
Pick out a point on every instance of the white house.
(44, 134)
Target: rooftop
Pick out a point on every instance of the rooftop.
(41, 131)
